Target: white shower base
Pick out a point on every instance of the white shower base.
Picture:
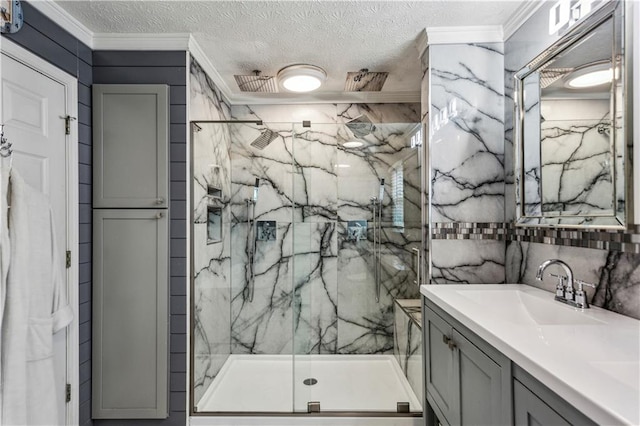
(346, 383)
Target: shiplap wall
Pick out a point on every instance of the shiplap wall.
(163, 67)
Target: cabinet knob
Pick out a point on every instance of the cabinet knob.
(160, 201)
(159, 215)
(449, 342)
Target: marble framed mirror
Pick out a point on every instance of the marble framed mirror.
(572, 128)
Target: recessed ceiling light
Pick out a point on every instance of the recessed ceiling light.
(301, 77)
(352, 144)
(590, 76)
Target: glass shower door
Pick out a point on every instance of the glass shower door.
(357, 218)
(242, 243)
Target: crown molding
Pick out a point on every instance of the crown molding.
(60, 16)
(457, 35)
(137, 41)
(520, 16)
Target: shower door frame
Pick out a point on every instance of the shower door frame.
(193, 125)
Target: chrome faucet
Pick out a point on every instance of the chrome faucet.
(566, 294)
(560, 289)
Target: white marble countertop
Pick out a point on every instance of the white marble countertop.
(591, 359)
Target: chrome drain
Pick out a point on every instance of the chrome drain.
(310, 381)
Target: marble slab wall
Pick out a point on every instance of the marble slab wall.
(211, 261)
(466, 152)
(313, 186)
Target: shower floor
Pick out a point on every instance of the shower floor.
(347, 383)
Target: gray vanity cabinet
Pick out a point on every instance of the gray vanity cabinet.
(529, 410)
(536, 404)
(467, 381)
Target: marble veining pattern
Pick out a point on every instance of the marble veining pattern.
(467, 262)
(303, 187)
(466, 120)
(211, 262)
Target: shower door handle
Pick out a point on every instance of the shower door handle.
(416, 265)
(251, 246)
(374, 251)
(379, 265)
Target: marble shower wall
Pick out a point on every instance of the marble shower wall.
(315, 293)
(466, 149)
(211, 260)
(615, 272)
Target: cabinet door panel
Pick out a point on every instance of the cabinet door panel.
(130, 314)
(130, 146)
(440, 367)
(529, 410)
(480, 385)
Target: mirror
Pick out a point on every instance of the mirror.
(571, 155)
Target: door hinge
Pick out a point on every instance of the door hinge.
(67, 392)
(67, 124)
(68, 261)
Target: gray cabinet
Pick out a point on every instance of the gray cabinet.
(467, 381)
(130, 314)
(130, 146)
(536, 404)
(130, 360)
(529, 410)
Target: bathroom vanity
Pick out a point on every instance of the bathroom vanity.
(510, 354)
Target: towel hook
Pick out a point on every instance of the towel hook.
(5, 146)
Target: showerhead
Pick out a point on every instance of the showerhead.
(365, 81)
(381, 190)
(361, 126)
(257, 82)
(265, 138)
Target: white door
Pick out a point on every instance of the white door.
(33, 109)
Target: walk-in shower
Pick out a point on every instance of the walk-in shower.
(294, 302)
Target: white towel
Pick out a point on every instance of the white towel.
(35, 308)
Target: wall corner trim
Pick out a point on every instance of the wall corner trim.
(461, 35)
(198, 54)
(63, 18)
(422, 42)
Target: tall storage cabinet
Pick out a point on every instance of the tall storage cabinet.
(130, 251)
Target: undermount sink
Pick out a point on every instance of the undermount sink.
(522, 308)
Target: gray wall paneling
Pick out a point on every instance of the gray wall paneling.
(163, 67)
(49, 41)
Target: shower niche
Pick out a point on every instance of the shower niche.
(292, 307)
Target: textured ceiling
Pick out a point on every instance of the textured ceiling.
(339, 36)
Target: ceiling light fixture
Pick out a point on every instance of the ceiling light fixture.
(591, 75)
(301, 77)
